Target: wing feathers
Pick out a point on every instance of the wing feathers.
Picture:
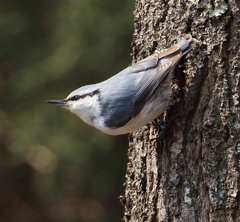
(167, 52)
(153, 60)
(145, 64)
(152, 78)
(146, 76)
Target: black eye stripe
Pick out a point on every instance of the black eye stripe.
(74, 98)
(77, 97)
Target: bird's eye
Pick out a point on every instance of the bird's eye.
(75, 98)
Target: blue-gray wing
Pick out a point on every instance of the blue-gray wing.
(152, 61)
(152, 78)
(134, 86)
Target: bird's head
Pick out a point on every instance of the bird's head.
(82, 101)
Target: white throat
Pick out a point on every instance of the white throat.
(89, 110)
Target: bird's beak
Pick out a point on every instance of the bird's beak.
(57, 102)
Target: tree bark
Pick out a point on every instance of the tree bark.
(189, 171)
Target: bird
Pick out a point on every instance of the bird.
(131, 98)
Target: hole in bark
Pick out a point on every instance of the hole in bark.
(131, 176)
(189, 24)
(154, 46)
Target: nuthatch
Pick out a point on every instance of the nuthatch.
(131, 98)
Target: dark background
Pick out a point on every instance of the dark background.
(54, 167)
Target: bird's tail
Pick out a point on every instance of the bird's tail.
(186, 43)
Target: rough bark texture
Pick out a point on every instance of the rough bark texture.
(190, 170)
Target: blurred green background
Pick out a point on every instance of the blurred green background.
(54, 167)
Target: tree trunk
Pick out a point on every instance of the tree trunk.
(189, 171)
